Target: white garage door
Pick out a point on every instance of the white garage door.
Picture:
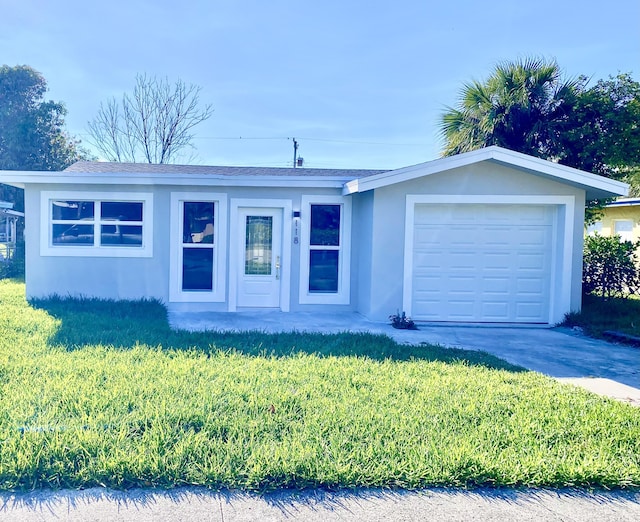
(482, 263)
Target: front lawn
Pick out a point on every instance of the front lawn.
(99, 393)
(599, 315)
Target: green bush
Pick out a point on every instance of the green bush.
(610, 267)
(13, 267)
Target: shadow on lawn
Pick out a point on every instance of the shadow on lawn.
(125, 324)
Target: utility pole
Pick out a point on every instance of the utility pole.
(295, 152)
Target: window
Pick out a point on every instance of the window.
(197, 271)
(624, 229)
(325, 254)
(594, 228)
(90, 224)
(324, 246)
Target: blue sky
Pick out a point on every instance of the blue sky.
(359, 84)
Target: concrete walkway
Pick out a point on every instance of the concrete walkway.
(601, 367)
(370, 505)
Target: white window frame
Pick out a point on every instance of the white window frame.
(594, 228)
(624, 235)
(343, 295)
(47, 248)
(218, 293)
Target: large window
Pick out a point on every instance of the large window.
(197, 246)
(198, 243)
(324, 246)
(325, 250)
(90, 224)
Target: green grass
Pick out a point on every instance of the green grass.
(101, 393)
(599, 315)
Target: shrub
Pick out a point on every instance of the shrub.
(610, 267)
(13, 266)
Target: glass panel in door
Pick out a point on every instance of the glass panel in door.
(258, 245)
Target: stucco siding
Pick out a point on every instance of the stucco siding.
(488, 179)
(613, 214)
(131, 278)
(106, 277)
(362, 233)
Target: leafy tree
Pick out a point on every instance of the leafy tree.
(32, 134)
(604, 131)
(526, 106)
(522, 106)
(610, 267)
(153, 124)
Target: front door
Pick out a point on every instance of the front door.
(260, 257)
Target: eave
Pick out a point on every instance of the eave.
(596, 187)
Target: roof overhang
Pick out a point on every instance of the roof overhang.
(596, 187)
(20, 179)
(625, 202)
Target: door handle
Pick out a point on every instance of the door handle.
(278, 267)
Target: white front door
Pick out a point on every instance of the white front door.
(260, 257)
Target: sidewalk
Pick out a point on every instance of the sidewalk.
(371, 505)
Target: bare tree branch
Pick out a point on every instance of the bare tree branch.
(152, 124)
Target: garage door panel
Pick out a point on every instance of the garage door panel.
(494, 261)
(533, 237)
(531, 261)
(462, 309)
(482, 263)
(495, 310)
(530, 311)
(531, 285)
(461, 260)
(495, 286)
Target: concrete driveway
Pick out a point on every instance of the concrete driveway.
(602, 367)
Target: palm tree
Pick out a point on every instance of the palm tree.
(522, 106)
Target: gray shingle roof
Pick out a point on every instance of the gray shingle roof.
(99, 167)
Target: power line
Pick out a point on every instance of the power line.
(275, 138)
(329, 140)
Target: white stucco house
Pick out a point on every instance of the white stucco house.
(490, 236)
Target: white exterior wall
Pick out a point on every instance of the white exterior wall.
(362, 234)
(490, 179)
(105, 277)
(137, 277)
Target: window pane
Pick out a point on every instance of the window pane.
(72, 235)
(323, 271)
(72, 210)
(121, 235)
(325, 225)
(197, 269)
(121, 210)
(197, 223)
(258, 245)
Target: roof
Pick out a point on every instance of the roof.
(596, 187)
(146, 174)
(349, 180)
(625, 202)
(103, 167)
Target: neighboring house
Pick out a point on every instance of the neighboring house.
(9, 230)
(489, 236)
(622, 218)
